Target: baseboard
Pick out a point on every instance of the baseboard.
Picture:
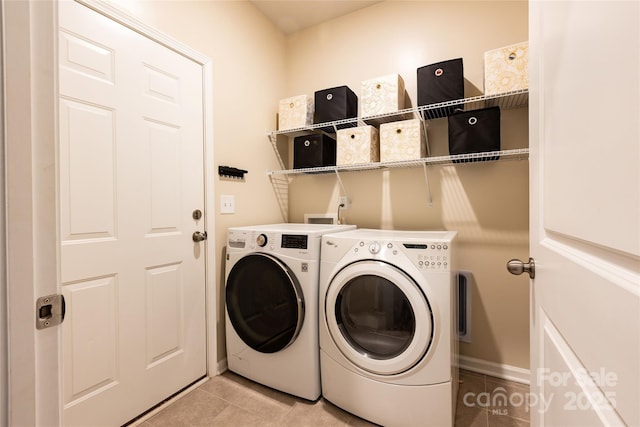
(506, 372)
(221, 367)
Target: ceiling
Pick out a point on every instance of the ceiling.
(294, 15)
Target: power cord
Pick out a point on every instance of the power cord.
(341, 205)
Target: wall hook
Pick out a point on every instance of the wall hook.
(231, 172)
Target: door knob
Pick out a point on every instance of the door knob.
(517, 267)
(198, 236)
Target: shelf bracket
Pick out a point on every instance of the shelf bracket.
(273, 139)
(281, 189)
(426, 179)
(426, 138)
(280, 184)
(344, 191)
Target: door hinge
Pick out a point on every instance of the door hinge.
(49, 311)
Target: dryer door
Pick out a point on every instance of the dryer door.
(264, 302)
(378, 317)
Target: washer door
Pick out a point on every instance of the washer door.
(264, 302)
(378, 317)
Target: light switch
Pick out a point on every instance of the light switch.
(227, 204)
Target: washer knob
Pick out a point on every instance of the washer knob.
(374, 248)
(261, 240)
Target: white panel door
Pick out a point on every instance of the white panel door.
(131, 174)
(585, 212)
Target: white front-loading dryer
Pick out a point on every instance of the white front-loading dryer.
(271, 296)
(388, 349)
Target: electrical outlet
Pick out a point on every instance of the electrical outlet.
(345, 201)
(227, 204)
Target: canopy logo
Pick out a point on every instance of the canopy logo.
(554, 387)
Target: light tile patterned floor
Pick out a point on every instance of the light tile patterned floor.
(231, 400)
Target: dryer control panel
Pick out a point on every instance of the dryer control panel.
(427, 256)
(434, 256)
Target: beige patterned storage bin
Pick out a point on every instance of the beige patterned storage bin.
(381, 95)
(506, 69)
(357, 145)
(295, 112)
(403, 140)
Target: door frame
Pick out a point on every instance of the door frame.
(31, 165)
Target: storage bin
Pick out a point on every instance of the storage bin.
(441, 82)
(295, 112)
(506, 69)
(357, 145)
(312, 151)
(337, 103)
(381, 95)
(475, 131)
(403, 140)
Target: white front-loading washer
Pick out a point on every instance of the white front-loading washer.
(388, 350)
(271, 311)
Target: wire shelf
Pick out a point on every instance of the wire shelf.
(514, 99)
(515, 154)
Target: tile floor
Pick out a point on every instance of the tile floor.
(231, 400)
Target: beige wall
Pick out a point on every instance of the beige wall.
(486, 203)
(248, 68)
(254, 66)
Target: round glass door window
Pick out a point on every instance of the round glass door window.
(375, 317)
(378, 317)
(264, 303)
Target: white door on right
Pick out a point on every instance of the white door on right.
(585, 212)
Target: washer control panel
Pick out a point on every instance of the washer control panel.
(268, 240)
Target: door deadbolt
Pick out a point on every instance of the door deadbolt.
(517, 267)
(198, 236)
(197, 214)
